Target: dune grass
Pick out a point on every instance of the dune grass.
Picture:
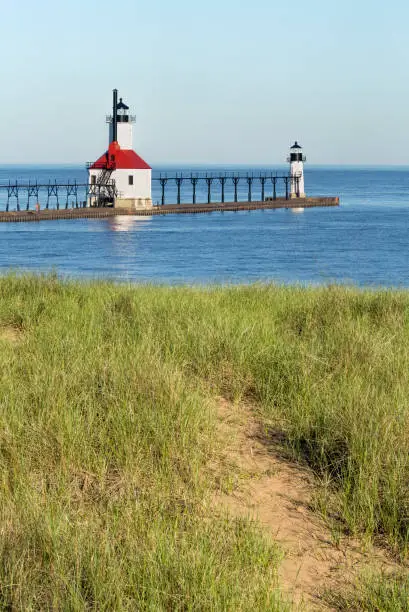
(106, 425)
(373, 593)
(103, 441)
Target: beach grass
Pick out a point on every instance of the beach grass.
(103, 441)
(107, 424)
(373, 592)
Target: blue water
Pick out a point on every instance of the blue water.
(365, 241)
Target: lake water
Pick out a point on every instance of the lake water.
(365, 241)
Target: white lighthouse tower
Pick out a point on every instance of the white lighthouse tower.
(297, 159)
(120, 166)
(124, 127)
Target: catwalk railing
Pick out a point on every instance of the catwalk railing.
(259, 181)
(175, 188)
(62, 195)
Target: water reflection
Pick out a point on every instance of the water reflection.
(127, 223)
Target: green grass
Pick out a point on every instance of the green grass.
(374, 593)
(103, 443)
(106, 425)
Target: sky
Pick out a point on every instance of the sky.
(214, 82)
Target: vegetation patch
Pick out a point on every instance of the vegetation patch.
(107, 425)
(103, 443)
(374, 593)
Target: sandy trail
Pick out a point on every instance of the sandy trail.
(265, 486)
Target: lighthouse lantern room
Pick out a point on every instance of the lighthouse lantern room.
(297, 159)
(120, 165)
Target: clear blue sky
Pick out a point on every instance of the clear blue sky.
(210, 82)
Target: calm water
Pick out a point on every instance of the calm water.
(365, 241)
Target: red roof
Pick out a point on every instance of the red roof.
(120, 159)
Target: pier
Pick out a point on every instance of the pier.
(175, 193)
(104, 212)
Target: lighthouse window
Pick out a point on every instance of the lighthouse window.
(130, 179)
(93, 179)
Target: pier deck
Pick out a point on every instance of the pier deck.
(168, 209)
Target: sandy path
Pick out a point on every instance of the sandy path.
(263, 485)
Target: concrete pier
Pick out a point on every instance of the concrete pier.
(168, 209)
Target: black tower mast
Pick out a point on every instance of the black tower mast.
(115, 116)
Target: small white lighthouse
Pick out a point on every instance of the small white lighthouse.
(120, 164)
(297, 159)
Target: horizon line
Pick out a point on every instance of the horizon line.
(212, 165)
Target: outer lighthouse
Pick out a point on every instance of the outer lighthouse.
(120, 164)
(297, 159)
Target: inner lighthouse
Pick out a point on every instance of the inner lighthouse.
(120, 170)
